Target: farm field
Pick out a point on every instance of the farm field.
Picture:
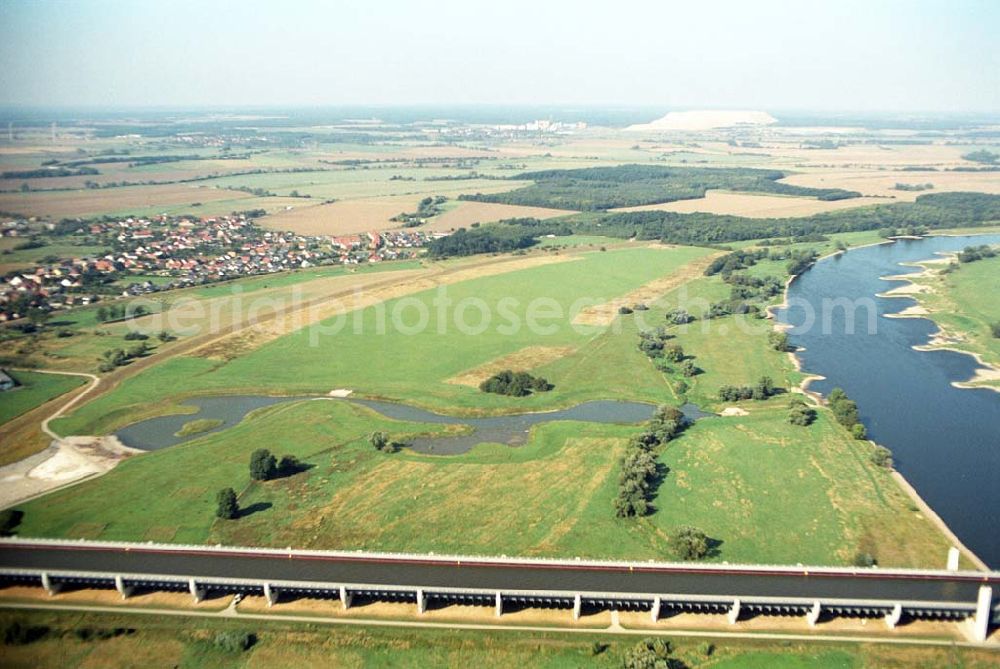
(464, 214)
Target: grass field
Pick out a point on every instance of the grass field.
(767, 491)
(398, 363)
(964, 303)
(35, 389)
(165, 641)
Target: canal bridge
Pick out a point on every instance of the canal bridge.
(582, 586)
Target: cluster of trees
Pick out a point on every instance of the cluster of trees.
(49, 172)
(117, 312)
(763, 389)
(117, 357)
(264, 466)
(974, 253)
(515, 384)
(913, 187)
(640, 471)
(428, 207)
(487, 239)
(601, 188)
(800, 413)
(982, 156)
(845, 410)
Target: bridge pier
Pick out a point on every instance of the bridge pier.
(421, 601)
(813, 616)
(953, 555)
(50, 587)
(734, 613)
(345, 598)
(893, 617)
(981, 623)
(196, 593)
(577, 607)
(123, 590)
(654, 611)
(270, 594)
(498, 605)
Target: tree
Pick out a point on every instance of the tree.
(690, 543)
(801, 414)
(227, 507)
(652, 654)
(882, 457)
(288, 465)
(263, 465)
(858, 431)
(764, 388)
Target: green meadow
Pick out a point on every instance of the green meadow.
(378, 355)
(34, 390)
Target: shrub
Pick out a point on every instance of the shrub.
(226, 507)
(515, 384)
(859, 432)
(778, 341)
(232, 641)
(864, 559)
(9, 519)
(995, 329)
(882, 457)
(690, 543)
(624, 310)
(802, 415)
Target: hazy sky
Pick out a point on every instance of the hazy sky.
(856, 55)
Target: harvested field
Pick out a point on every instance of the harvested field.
(880, 183)
(92, 202)
(344, 217)
(755, 206)
(465, 214)
(525, 359)
(604, 314)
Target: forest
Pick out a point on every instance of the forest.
(602, 188)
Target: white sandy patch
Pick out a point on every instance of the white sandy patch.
(340, 392)
(705, 120)
(734, 411)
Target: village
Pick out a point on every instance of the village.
(145, 255)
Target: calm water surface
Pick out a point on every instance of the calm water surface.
(945, 440)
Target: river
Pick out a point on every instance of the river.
(945, 440)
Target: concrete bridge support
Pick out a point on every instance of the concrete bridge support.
(196, 593)
(577, 607)
(813, 616)
(953, 556)
(421, 601)
(270, 594)
(345, 598)
(734, 613)
(50, 587)
(654, 611)
(981, 623)
(498, 605)
(893, 617)
(124, 590)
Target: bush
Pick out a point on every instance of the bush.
(864, 559)
(10, 519)
(802, 415)
(859, 432)
(995, 329)
(380, 442)
(882, 457)
(623, 310)
(690, 543)
(778, 341)
(132, 335)
(234, 642)
(651, 654)
(515, 384)
(16, 633)
(263, 465)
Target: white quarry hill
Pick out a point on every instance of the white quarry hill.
(705, 120)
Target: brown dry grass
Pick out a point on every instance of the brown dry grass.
(89, 202)
(880, 183)
(525, 359)
(755, 206)
(467, 213)
(604, 314)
